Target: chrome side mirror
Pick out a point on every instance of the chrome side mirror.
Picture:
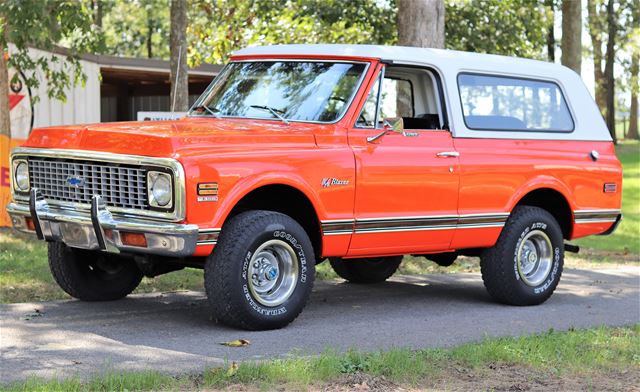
(395, 124)
(390, 124)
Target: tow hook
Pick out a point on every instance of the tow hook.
(571, 248)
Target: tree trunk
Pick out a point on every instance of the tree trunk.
(421, 23)
(572, 34)
(608, 70)
(5, 119)
(594, 32)
(150, 24)
(633, 117)
(178, 47)
(551, 35)
(99, 14)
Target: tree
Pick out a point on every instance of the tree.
(633, 116)
(136, 28)
(178, 62)
(551, 34)
(508, 27)
(217, 28)
(421, 23)
(572, 34)
(596, 25)
(43, 25)
(634, 49)
(609, 23)
(608, 70)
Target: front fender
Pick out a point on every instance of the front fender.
(248, 184)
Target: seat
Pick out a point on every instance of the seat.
(422, 121)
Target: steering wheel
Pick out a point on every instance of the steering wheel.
(361, 117)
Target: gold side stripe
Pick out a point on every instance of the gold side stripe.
(420, 223)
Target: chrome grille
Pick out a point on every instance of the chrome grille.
(120, 186)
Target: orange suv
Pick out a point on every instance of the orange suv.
(356, 154)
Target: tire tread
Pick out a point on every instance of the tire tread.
(495, 271)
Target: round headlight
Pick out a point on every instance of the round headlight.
(22, 176)
(161, 190)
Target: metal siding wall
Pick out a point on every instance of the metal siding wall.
(82, 105)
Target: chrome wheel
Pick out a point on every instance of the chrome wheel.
(273, 273)
(535, 258)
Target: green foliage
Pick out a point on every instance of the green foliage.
(514, 27)
(44, 24)
(130, 27)
(219, 27)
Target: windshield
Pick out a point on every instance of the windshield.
(282, 90)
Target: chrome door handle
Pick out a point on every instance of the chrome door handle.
(448, 154)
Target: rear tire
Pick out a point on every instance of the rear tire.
(370, 270)
(92, 275)
(525, 265)
(261, 272)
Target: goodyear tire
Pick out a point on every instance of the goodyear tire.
(261, 272)
(525, 265)
(92, 275)
(371, 270)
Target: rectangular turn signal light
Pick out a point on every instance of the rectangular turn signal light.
(208, 189)
(133, 239)
(30, 225)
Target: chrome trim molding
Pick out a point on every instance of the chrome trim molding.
(596, 216)
(445, 222)
(99, 230)
(413, 223)
(175, 166)
(613, 227)
(208, 236)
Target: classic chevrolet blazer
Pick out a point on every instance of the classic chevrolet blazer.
(356, 154)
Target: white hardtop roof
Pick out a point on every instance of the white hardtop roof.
(440, 58)
(589, 124)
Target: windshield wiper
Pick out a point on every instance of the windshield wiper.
(203, 108)
(272, 111)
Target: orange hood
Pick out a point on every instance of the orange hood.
(171, 138)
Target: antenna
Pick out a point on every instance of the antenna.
(175, 86)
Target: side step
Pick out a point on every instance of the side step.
(571, 248)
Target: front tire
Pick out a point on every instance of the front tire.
(371, 270)
(261, 273)
(525, 265)
(92, 275)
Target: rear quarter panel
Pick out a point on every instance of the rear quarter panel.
(497, 173)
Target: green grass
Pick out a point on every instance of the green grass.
(25, 276)
(589, 357)
(626, 239)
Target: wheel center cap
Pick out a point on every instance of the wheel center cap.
(271, 273)
(532, 257)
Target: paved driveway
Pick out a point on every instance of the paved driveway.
(172, 332)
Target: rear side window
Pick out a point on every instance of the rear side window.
(512, 104)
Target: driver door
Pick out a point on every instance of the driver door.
(406, 182)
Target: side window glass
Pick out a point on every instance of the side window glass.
(506, 103)
(397, 98)
(367, 116)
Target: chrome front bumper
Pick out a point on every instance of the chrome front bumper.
(98, 229)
